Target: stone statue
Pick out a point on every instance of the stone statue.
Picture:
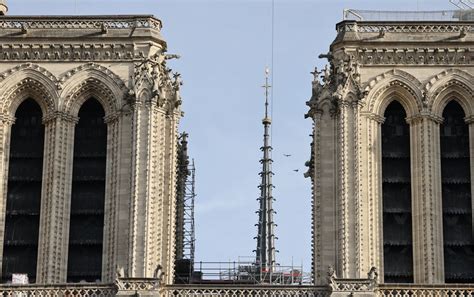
(158, 273)
(341, 65)
(119, 272)
(332, 276)
(373, 275)
(316, 74)
(177, 82)
(326, 75)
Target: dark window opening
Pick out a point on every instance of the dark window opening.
(25, 172)
(396, 189)
(88, 192)
(456, 188)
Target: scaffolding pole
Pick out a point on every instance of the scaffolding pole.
(185, 195)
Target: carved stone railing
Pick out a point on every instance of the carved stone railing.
(80, 22)
(66, 290)
(352, 285)
(128, 287)
(407, 290)
(242, 290)
(412, 27)
(137, 284)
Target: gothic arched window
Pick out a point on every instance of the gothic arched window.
(396, 188)
(25, 174)
(88, 192)
(456, 187)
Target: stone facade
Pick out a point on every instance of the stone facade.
(60, 62)
(423, 66)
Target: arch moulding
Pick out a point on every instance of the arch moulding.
(394, 85)
(451, 84)
(28, 81)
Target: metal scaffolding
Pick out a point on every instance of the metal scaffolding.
(465, 14)
(188, 219)
(185, 195)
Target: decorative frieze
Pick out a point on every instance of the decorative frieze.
(415, 56)
(69, 52)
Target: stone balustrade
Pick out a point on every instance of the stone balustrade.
(148, 287)
(66, 290)
(244, 290)
(402, 290)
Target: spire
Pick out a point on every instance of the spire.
(265, 252)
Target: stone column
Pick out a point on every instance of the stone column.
(137, 240)
(347, 196)
(470, 122)
(124, 178)
(427, 216)
(55, 198)
(152, 205)
(370, 189)
(6, 123)
(323, 177)
(169, 203)
(111, 209)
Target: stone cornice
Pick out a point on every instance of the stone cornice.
(81, 22)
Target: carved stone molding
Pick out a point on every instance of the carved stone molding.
(425, 115)
(90, 87)
(28, 66)
(68, 52)
(445, 84)
(91, 67)
(24, 88)
(413, 56)
(469, 120)
(60, 115)
(7, 119)
(156, 83)
(373, 116)
(451, 73)
(408, 87)
(137, 284)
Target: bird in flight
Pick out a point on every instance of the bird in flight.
(286, 155)
(296, 170)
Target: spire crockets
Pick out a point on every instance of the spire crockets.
(265, 257)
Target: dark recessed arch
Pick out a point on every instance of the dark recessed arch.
(396, 189)
(88, 194)
(25, 174)
(456, 191)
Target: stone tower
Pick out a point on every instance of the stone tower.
(392, 154)
(97, 95)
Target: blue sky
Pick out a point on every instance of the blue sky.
(225, 46)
